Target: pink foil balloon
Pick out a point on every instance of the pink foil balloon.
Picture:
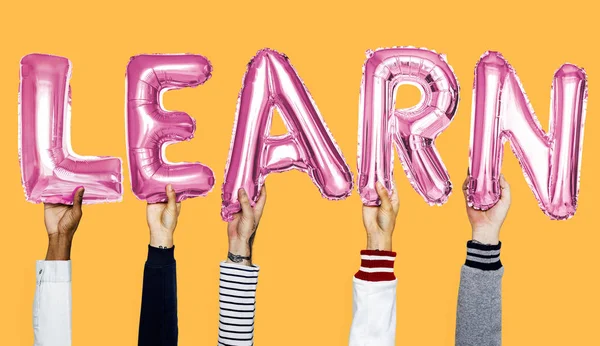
(551, 161)
(271, 82)
(50, 170)
(150, 128)
(413, 130)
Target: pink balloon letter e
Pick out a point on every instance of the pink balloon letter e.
(150, 128)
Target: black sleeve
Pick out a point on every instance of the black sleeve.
(158, 320)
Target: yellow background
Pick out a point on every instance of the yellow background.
(307, 246)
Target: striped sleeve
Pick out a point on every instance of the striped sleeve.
(237, 303)
(376, 265)
(482, 256)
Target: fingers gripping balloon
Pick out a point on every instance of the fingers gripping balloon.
(551, 161)
(150, 128)
(271, 82)
(412, 130)
(50, 170)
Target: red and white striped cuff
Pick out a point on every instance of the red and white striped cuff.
(376, 265)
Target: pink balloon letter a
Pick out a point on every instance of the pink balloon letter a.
(271, 82)
(50, 170)
(150, 128)
(550, 161)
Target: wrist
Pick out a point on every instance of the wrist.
(161, 240)
(486, 236)
(240, 252)
(59, 247)
(239, 259)
(379, 241)
(240, 247)
(60, 236)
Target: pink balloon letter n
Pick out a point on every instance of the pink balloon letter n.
(50, 169)
(550, 161)
(150, 128)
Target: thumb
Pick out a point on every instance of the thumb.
(386, 203)
(172, 199)
(505, 187)
(465, 188)
(245, 203)
(78, 200)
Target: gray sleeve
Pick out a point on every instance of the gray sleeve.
(479, 310)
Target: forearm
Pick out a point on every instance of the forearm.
(374, 300)
(158, 317)
(479, 310)
(237, 303)
(59, 247)
(52, 304)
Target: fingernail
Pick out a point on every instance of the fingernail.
(243, 192)
(170, 187)
(76, 191)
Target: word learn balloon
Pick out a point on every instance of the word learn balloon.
(551, 161)
(271, 82)
(412, 130)
(50, 170)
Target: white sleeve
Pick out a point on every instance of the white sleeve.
(52, 304)
(374, 303)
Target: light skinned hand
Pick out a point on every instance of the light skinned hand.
(61, 222)
(486, 225)
(242, 229)
(380, 221)
(162, 219)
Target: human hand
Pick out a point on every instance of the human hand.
(61, 222)
(162, 219)
(242, 229)
(380, 221)
(486, 225)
